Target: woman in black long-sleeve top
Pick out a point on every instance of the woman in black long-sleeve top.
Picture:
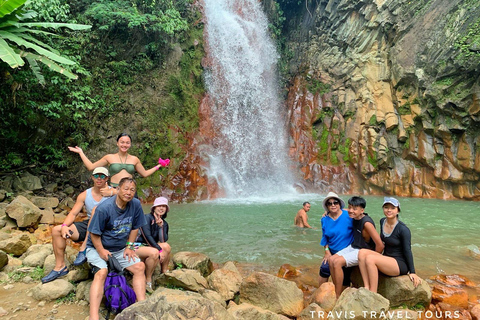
(154, 235)
(397, 258)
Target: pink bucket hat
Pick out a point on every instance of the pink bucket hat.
(161, 201)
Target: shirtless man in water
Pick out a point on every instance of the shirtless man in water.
(301, 218)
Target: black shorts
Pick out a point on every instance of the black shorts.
(82, 229)
(402, 266)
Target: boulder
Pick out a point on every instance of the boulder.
(272, 293)
(45, 202)
(27, 182)
(359, 304)
(36, 255)
(3, 259)
(3, 195)
(212, 295)
(58, 288)
(48, 216)
(475, 312)
(83, 290)
(246, 311)
(324, 296)
(450, 295)
(183, 278)
(226, 281)
(193, 260)
(402, 314)
(24, 212)
(313, 312)
(175, 304)
(400, 291)
(16, 245)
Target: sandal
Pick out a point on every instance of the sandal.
(149, 287)
(54, 275)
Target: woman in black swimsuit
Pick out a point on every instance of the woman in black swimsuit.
(397, 258)
(121, 164)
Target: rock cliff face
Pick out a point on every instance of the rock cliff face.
(384, 96)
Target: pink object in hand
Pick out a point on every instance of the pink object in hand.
(163, 163)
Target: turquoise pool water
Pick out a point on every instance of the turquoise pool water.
(260, 231)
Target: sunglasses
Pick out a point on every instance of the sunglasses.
(332, 203)
(98, 175)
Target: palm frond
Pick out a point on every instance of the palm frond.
(8, 55)
(51, 65)
(8, 6)
(36, 69)
(18, 39)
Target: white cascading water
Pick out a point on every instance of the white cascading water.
(251, 148)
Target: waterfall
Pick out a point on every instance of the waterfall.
(250, 156)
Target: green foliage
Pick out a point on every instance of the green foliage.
(49, 10)
(316, 86)
(17, 275)
(469, 43)
(17, 42)
(38, 123)
(69, 298)
(373, 121)
(404, 109)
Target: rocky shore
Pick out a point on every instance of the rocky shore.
(197, 288)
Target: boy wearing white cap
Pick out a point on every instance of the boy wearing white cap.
(77, 231)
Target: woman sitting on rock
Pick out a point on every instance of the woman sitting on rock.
(154, 236)
(397, 258)
(120, 164)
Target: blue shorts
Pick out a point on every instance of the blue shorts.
(94, 259)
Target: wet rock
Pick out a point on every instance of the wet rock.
(475, 312)
(456, 280)
(450, 295)
(193, 260)
(272, 293)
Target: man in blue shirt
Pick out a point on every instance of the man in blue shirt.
(113, 229)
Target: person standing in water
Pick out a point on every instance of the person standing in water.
(301, 219)
(120, 164)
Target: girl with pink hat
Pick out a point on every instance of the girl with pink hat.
(154, 236)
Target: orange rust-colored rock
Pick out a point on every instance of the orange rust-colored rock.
(450, 295)
(475, 312)
(287, 271)
(453, 280)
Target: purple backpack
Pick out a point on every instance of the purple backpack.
(119, 295)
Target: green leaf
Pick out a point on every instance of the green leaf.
(8, 6)
(22, 42)
(72, 26)
(51, 65)
(35, 68)
(9, 56)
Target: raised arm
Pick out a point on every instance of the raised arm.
(370, 228)
(88, 164)
(142, 171)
